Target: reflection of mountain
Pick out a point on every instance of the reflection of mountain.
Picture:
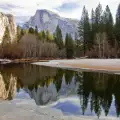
(7, 87)
(51, 92)
(43, 95)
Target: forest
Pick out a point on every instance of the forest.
(98, 36)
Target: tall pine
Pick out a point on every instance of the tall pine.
(58, 37)
(36, 30)
(117, 26)
(69, 46)
(49, 37)
(18, 33)
(98, 18)
(108, 25)
(84, 30)
(93, 31)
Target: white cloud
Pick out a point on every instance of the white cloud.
(28, 7)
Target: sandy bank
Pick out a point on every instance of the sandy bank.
(104, 65)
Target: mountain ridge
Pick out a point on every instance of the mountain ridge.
(48, 20)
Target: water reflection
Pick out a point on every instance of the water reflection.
(80, 92)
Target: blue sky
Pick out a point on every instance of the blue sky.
(65, 8)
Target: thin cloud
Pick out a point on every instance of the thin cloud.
(68, 6)
(65, 8)
(9, 6)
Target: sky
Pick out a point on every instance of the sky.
(65, 8)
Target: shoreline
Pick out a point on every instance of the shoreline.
(27, 60)
(95, 65)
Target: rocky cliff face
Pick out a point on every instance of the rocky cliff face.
(47, 20)
(7, 21)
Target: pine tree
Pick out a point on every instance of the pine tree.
(69, 45)
(40, 37)
(6, 38)
(99, 28)
(36, 30)
(18, 33)
(43, 35)
(58, 38)
(108, 25)
(98, 18)
(22, 32)
(31, 30)
(49, 36)
(84, 30)
(93, 32)
(25, 31)
(117, 25)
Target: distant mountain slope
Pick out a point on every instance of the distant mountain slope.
(47, 20)
(20, 20)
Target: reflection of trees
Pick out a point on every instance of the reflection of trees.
(27, 76)
(44, 84)
(68, 76)
(58, 79)
(83, 90)
(98, 88)
(117, 95)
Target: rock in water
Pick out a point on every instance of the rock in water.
(7, 21)
(47, 20)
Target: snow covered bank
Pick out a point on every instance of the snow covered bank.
(106, 65)
(5, 61)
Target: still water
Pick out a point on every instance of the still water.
(74, 93)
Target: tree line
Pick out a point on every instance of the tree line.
(32, 43)
(99, 35)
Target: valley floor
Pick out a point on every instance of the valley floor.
(102, 65)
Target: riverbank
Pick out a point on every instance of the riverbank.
(101, 65)
(27, 60)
